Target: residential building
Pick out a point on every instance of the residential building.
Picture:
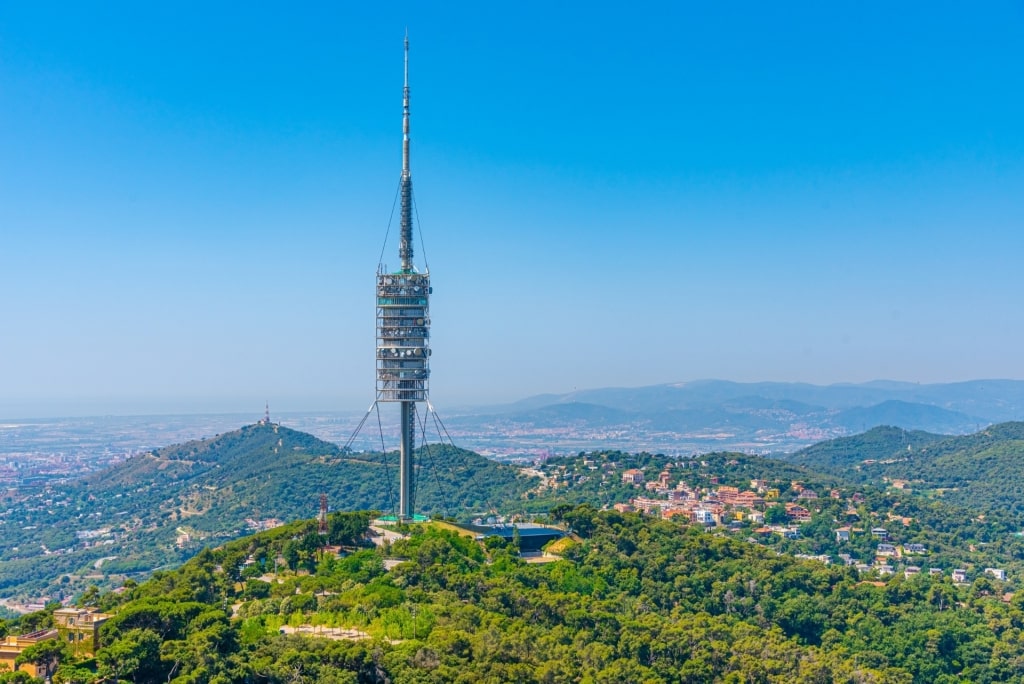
(703, 516)
(633, 476)
(12, 646)
(998, 573)
(749, 499)
(727, 495)
(797, 512)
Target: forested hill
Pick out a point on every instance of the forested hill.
(636, 600)
(157, 509)
(265, 471)
(846, 453)
(983, 471)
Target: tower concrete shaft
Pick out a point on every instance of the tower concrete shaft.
(406, 474)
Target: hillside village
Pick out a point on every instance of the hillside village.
(821, 521)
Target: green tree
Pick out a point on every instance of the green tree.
(45, 655)
(775, 515)
(134, 656)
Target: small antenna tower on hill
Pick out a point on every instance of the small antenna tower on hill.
(321, 519)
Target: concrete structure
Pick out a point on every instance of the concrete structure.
(532, 538)
(12, 646)
(998, 573)
(703, 516)
(80, 628)
(633, 476)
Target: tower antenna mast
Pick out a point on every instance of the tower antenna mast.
(405, 244)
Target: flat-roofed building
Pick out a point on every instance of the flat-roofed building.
(80, 628)
(12, 646)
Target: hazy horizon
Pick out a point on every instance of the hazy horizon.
(192, 204)
(184, 406)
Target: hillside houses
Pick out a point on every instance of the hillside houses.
(633, 476)
(815, 520)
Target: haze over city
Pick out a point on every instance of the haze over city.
(193, 200)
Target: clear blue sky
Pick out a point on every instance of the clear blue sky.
(193, 200)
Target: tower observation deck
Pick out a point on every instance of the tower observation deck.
(403, 325)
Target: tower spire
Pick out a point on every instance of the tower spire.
(405, 241)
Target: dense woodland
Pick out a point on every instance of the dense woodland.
(633, 600)
(983, 471)
(209, 489)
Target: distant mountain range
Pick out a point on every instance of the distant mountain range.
(766, 416)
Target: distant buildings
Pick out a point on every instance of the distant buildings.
(797, 512)
(633, 476)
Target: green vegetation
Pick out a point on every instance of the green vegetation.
(953, 536)
(983, 472)
(846, 453)
(156, 510)
(631, 599)
(596, 477)
(636, 600)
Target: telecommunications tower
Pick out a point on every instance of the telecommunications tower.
(403, 325)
